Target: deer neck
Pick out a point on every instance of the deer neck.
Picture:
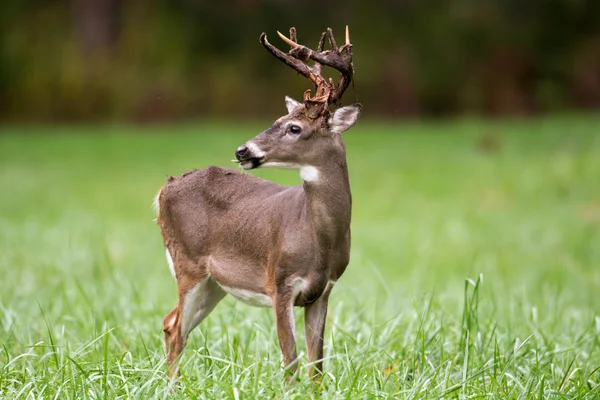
(328, 197)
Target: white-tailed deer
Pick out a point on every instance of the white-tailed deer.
(269, 245)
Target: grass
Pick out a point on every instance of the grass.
(475, 267)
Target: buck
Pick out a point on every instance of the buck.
(228, 232)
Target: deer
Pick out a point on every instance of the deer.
(228, 232)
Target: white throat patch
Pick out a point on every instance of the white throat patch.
(309, 174)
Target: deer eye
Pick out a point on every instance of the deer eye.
(295, 129)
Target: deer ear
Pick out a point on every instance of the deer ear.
(343, 118)
(291, 104)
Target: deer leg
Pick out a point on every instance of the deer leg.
(195, 303)
(315, 315)
(169, 326)
(212, 294)
(286, 325)
(173, 343)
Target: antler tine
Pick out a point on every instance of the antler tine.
(291, 42)
(347, 46)
(321, 42)
(334, 45)
(317, 66)
(347, 36)
(341, 62)
(298, 65)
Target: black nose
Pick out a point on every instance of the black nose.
(241, 152)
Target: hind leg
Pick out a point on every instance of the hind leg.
(211, 295)
(169, 324)
(196, 302)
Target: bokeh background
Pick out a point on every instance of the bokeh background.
(475, 174)
(162, 60)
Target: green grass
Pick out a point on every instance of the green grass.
(475, 273)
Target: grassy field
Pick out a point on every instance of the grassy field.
(475, 267)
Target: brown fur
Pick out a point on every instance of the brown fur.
(226, 230)
(223, 227)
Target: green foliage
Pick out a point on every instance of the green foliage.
(474, 267)
(156, 59)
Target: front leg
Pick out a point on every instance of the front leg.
(315, 315)
(286, 325)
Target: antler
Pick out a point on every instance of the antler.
(339, 58)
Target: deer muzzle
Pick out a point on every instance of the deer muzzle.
(249, 155)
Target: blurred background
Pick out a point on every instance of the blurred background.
(478, 154)
(165, 60)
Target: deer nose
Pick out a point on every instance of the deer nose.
(241, 152)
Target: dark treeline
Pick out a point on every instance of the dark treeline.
(167, 59)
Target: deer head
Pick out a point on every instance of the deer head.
(311, 130)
